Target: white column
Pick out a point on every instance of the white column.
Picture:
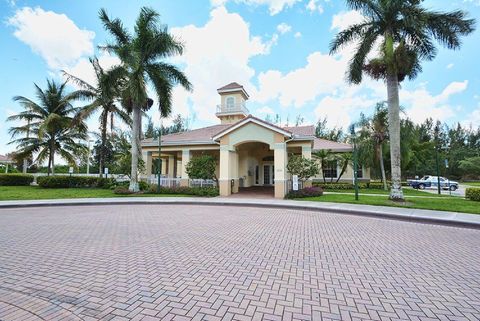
(147, 159)
(280, 161)
(171, 166)
(225, 169)
(185, 159)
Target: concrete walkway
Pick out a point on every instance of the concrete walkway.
(410, 214)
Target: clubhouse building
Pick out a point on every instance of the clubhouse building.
(249, 151)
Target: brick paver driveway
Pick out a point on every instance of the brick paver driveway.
(153, 262)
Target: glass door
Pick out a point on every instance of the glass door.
(268, 174)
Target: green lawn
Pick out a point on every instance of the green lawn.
(452, 204)
(406, 192)
(474, 184)
(11, 193)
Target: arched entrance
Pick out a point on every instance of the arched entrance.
(256, 169)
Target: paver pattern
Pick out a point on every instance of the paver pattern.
(173, 262)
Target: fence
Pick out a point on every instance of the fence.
(202, 183)
(164, 181)
(117, 177)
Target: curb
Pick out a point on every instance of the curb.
(467, 221)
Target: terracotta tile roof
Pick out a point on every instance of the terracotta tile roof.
(197, 135)
(255, 118)
(319, 144)
(301, 130)
(232, 85)
(4, 158)
(205, 134)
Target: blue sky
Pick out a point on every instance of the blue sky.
(278, 49)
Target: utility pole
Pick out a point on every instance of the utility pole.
(438, 170)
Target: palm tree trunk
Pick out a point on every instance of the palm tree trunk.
(104, 142)
(53, 161)
(50, 160)
(396, 192)
(135, 147)
(382, 166)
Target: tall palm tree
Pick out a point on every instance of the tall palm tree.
(406, 31)
(141, 55)
(374, 134)
(324, 156)
(104, 94)
(50, 127)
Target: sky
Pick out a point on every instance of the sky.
(277, 49)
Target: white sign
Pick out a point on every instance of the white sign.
(295, 182)
(106, 171)
(70, 170)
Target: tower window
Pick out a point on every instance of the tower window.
(230, 102)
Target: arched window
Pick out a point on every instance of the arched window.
(230, 102)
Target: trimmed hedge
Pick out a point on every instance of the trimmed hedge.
(348, 186)
(183, 190)
(473, 194)
(305, 192)
(65, 181)
(16, 179)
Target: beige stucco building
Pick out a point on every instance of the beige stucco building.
(250, 151)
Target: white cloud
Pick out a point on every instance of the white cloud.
(284, 28)
(421, 104)
(274, 6)
(321, 75)
(450, 66)
(345, 19)
(53, 36)
(265, 111)
(313, 6)
(216, 54)
(298, 34)
(342, 110)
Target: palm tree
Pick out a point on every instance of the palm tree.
(406, 31)
(324, 156)
(141, 54)
(343, 159)
(103, 94)
(374, 133)
(50, 128)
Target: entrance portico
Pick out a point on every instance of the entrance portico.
(252, 152)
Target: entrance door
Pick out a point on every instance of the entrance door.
(268, 174)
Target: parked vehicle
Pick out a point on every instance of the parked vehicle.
(432, 181)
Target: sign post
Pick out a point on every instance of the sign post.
(70, 171)
(106, 172)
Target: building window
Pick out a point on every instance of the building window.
(330, 169)
(230, 102)
(360, 171)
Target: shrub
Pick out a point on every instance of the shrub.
(375, 185)
(305, 192)
(16, 179)
(183, 190)
(64, 181)
(325, 186)
(473, 194)
(122, 190)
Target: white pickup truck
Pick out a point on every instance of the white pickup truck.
(432, 181)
